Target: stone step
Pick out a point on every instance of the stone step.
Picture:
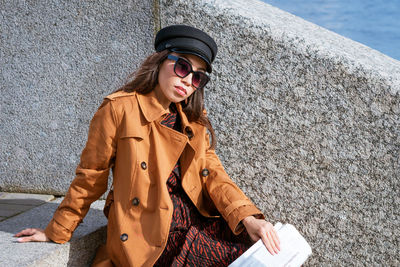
(12, 204)
(79, 251)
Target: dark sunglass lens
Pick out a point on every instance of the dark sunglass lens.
(182, 68)
(196, 79)
(199, 79)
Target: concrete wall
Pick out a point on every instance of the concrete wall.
(58, 60)
(307, 121)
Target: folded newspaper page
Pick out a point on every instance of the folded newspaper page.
(294, 250)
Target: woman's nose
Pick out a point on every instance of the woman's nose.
(188, 79)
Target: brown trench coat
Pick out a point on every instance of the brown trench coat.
(126, 135)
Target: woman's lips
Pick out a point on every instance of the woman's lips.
(180, 90)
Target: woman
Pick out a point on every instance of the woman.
(172, 203)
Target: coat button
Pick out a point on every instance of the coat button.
(124, 237)
(135, 201)
(189, 132)
(143, 165)
(205, 172)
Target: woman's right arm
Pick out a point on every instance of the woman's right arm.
(90, 181)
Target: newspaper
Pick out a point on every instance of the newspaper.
(294, 250)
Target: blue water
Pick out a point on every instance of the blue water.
(375, 23)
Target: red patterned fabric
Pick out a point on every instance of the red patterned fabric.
(195, 240)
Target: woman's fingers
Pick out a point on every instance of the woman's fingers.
(258, 228)
(270, 238)
(276, 239)
(26, 239)
(274, 245)
(267, 235)
(267, 244)
(27, 231)
(31, 235)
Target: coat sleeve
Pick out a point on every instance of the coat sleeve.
(91, 175)
(230, 201)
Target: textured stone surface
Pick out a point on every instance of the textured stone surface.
(78, 252)
(12, 204)
(307, 121)
(308, 126)
(58, 59)
(24, 199)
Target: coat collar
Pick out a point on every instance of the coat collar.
(184, 119)
(153, 110)
(150, 106)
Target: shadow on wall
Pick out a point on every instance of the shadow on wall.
(80, 251)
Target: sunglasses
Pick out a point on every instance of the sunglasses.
(183, 68)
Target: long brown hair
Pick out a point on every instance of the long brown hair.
(145, 79)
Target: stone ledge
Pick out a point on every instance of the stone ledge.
(78, 252)
(11, 204)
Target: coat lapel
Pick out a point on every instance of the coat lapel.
(193, 133)
(170, 145)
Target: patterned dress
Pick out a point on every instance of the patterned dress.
(195, 240)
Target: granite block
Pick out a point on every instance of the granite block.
(58, 59)
(24, 199)
(79, 251)
(307, 123)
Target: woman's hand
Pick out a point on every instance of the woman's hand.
(32, 235)
(259, 228)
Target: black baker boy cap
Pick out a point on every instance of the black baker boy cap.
(187, 40)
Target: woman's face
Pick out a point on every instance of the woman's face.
(170, 87)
